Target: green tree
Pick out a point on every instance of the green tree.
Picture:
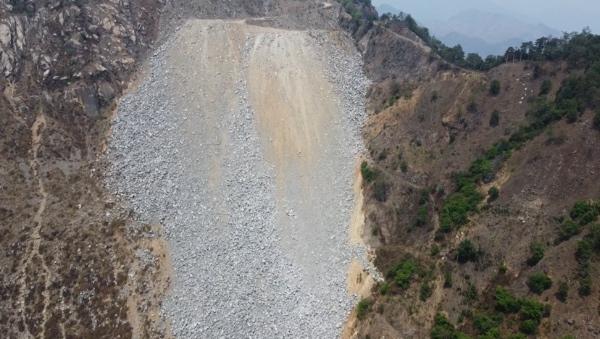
(495, 87)
(474, 61)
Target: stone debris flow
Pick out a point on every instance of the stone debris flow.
(242, 142)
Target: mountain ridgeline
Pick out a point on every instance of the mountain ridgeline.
(481, 189)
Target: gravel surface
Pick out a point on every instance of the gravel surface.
(186, 153)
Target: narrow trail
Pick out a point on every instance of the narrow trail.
(33, 248)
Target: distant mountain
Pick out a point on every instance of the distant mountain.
(482, 32)
(386, 8)
(485, 33)
(478, 45)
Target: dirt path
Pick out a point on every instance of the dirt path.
(243, 144)
(33, 247)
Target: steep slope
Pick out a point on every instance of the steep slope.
(242, 141)
(436, 140)
(77, 260)
(68, 263)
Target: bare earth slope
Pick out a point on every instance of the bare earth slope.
(242, 142)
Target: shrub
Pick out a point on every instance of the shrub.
(502, 269)
(404, 167)
(484, 323)
(493, 333)
(568, 229)
(584, 251)
(435, 250)
(570, 111)
(467, 252)
(529, 326)
(426, 291)
(422, 216)
(506, 302)
(546, 87)
(380, 190)
(363, 308)
(584, 255)
(594, 237)
(493, 193)
(563, 291)
(458, 206)
(472, 107)
(384, 288)
(579, 209)
(539, 282)
(585, 285)
(448, 278)
(471, 294)
(404, 273)
(367, 173)
(537, 254)
(443, 329)
(495, 87)
(495, 119)
(532, 310)
(597, 120)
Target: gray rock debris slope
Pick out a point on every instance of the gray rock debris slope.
(193, 149)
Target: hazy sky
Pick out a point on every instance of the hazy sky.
(563, 15)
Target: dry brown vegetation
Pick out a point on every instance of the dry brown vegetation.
(442, 122)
